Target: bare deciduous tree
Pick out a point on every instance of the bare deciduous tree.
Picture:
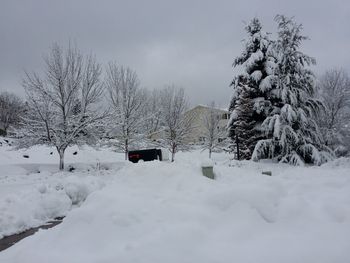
(11, 108)
(62, 101)
(153, 112)
(212, 132)
(176, 124)
(334, 90)
(127, 101)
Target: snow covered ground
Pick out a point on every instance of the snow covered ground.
(168, 212)
(32, 191)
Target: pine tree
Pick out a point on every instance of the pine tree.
(292, 134)
(243, 128)
(249, 107)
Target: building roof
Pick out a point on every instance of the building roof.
(207, 107)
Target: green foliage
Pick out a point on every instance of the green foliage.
(3, 133)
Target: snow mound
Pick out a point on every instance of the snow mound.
(343, 162)
(207, 163)
(21, 211)
(78, 191)
(33, 206)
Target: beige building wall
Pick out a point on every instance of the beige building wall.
(199, 114)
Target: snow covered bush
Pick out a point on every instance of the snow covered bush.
(78, 190)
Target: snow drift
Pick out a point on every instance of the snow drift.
(169, 212)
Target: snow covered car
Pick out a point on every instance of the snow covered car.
(148, 155)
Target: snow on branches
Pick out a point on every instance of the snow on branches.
(248, 104)
(292, 134)
(273, 107)
(61, 103)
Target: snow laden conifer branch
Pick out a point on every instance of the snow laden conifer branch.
(292, 134)
(274, 106)
(62, 105)
(249, 104)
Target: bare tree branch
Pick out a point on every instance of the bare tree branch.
(62, 108)
(128, 102)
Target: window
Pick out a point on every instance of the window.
(224, 116)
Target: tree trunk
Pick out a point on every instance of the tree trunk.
(172, 156)
(126, 150)
(61, 153)
(173, 149)
(209, 153)
(6, 126)
(237, 145)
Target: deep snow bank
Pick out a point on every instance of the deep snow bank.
(168, 212)
(29, 200)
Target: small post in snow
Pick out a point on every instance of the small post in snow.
(207, 169)
(269, 173)
(237, 145)
(98, 165)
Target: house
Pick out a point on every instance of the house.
(199, 113)
(197, 133)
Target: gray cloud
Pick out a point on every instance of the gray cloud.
(188, 43)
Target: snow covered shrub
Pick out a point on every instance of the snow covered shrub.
(76, 192)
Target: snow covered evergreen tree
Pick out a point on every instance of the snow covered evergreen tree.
(244, 132)
(292, 134)
(249, 107)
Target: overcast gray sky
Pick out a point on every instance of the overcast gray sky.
(187, 43)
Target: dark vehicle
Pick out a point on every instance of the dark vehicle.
(146, 155)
